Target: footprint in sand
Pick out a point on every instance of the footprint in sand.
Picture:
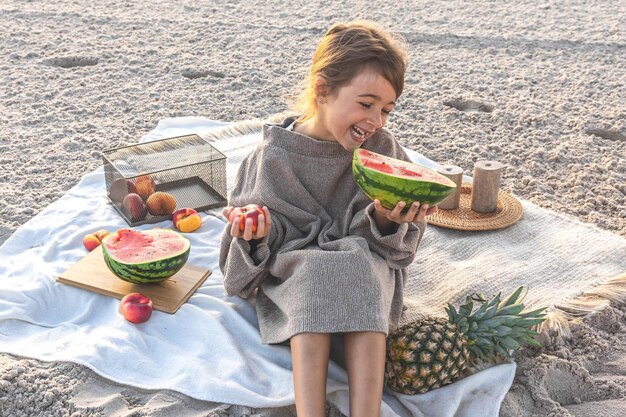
(469, 106)
(193, 73)
(71, 62)
(606, 134)
(568, 383)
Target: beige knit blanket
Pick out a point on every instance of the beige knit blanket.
(572, 267)
(564, 263)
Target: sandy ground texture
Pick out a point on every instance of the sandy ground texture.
(539, 86)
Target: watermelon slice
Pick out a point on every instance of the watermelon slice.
(392, 180)
(145, 256)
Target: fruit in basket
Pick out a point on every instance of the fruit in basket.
(93, 240)
(134, 207)
(432, 352)
(251, 211)
(392, 180)
(120, 188)
(144, 186)
(145, 256)
(186, 220)
(136, 307)
(161, 204)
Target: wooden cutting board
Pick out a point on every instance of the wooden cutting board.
(92, 274)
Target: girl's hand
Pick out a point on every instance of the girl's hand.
(415, 214)
(264, 223)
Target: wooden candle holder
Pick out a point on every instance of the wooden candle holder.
(485, 186)
(455, 173)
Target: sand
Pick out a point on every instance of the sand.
(539, 86)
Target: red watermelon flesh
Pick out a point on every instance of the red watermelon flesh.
(397, 167)
(132, 246)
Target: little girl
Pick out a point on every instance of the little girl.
(324, 259)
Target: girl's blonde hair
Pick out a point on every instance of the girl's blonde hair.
(344, 51)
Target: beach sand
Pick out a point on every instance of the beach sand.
(539, 86)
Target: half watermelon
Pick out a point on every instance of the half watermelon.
(392, 180)
(145, 256)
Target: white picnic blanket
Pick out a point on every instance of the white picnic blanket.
(210, 349)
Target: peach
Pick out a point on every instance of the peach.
(134, 207)
(136, 307)
(186, 220)
(120, 188)
(144, 186)
(93, 240)
(161, 204)
(251, 211)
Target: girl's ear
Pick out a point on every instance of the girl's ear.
(321, 87)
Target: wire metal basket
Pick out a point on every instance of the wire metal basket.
(148, 181)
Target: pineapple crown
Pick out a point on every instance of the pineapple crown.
(497, 327)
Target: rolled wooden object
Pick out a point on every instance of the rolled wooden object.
(455, 173)
(485, 186)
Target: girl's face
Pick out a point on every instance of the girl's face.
(352, 113)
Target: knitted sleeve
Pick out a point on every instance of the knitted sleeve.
(398, 248)
(243, 263)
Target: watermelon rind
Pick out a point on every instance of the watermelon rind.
(154, 271)
(390, 189)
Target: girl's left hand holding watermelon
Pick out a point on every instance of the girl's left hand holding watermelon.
(415, 214)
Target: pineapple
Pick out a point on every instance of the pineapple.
(434, 352)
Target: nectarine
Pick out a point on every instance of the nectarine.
(93, 240)
(186, 220)
(134, 207)
(136, 307)
(161, 204)
(144, 186)
(251, 211)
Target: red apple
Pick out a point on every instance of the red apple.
(186, 220)
(93, 240)
(251, 211)
(136, 307)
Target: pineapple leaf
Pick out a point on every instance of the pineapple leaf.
(502, 351)
(479, 297)
(540, 312)
(528, 322)
(530, 341)
(509, 343)
(511, 310)
(466, 309)
(462, 325)
(512, 299)
(480, 312)
(452, 314)
(492, 310)
(495, 322)
(483, 342)
(503, 331)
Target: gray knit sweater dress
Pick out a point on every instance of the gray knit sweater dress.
(324, 267)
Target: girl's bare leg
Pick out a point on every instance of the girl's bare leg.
(365, 362)
(309, 354)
